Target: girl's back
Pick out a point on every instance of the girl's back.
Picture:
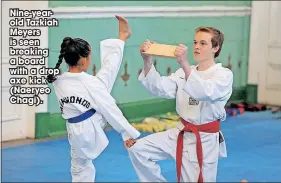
(77, 93)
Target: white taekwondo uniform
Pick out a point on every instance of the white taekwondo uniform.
(199, 99)
(80, 92)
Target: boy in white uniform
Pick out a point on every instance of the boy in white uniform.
(201, 93)
(86, 103)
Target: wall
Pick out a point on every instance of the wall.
(170, 27)
(146, 3)
(265, 51)
(17, 120)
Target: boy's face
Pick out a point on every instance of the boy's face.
(202, 47)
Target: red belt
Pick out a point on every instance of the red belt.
(211, 127)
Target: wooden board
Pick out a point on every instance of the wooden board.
(161, 50)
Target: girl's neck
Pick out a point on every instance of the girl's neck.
(74, 70)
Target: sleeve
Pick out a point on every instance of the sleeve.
(160, 86)
(113, 115)
(218, 87)
(111, 51)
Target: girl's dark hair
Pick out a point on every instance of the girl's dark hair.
(71, 50)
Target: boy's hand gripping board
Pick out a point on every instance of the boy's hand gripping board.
(161, 50)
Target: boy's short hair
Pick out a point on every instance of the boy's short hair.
(217, 37)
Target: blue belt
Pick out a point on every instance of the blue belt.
(82, 117)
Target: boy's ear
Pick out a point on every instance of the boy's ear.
(216, 49)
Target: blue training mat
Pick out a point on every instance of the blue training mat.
(253, 145)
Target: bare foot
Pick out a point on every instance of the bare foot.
(124, 29)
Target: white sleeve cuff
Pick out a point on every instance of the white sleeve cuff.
(149, 74)
(110, 41)
(192, 78)
(125, 136)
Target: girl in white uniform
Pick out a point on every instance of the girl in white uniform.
(86, 103)
(201, 93)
